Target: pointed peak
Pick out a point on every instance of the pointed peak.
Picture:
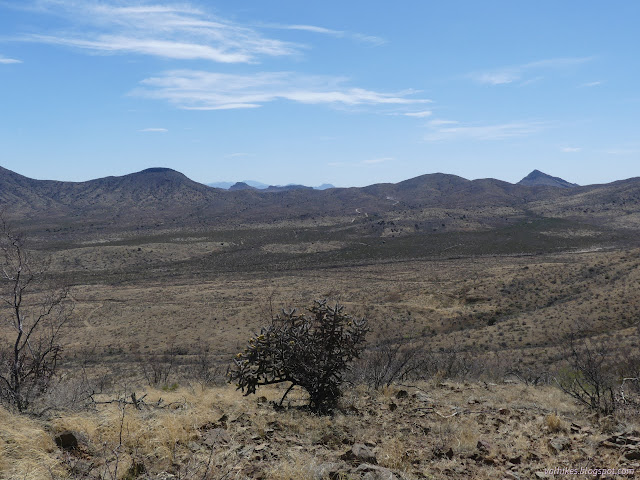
(537, 178)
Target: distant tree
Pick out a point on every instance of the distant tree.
(311, 350)
(32, 314)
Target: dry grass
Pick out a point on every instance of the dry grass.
(27, 451)
(467, 430)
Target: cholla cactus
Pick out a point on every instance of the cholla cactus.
(312, 351)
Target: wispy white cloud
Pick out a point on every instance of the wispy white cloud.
(177, 31)
(7, 61)
(200, 90)
(570, 149)
(518, 73)
(484, 132)
(237, 155)
(372, 39)
(497, 78)
(360, 37)
(154, 130)
(622, 151)
(375, 161)
(591, 84)
(311, 28)
(423, 114)
(436, 122)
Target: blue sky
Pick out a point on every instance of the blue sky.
(344, 92)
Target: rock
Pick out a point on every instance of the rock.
(632, 453)
(504, 411)
(483, 446)
(360, 453)
(392, 407)
(575, 428)
(66, 441)
(328, 470)
(245, 451)
(423, 397)
(217, 436)
(262, 399)
(516, 460)
(559, 443)
(222, 421)
(374, 472)
(402, 394)
(164, 476)
(608, 444)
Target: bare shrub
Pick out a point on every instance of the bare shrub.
(313, 351)
(34, 310)
(206, 370)
(449, 364)
(157, 368)
(589, 376)
(389, 362)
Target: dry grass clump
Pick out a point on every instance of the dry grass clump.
(27, 451)
(295, 466)
(396, 454)
(554, 423)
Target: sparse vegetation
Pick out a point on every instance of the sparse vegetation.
(34, 313)
(459, 300)
(311, 350)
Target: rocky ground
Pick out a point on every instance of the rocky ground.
(433, 430)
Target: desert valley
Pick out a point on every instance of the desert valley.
(473, 290)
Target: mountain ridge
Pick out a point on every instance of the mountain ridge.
(161, 196)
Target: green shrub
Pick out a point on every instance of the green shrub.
(311, 350)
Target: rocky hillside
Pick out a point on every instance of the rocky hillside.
(427, 431)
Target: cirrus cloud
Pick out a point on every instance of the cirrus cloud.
(442, 132)
(201, 90)
(154, 130)
(515, 73)
(7, 61)
(177, 31)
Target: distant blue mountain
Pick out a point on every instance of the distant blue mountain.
(263, 186)
(224, 185)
